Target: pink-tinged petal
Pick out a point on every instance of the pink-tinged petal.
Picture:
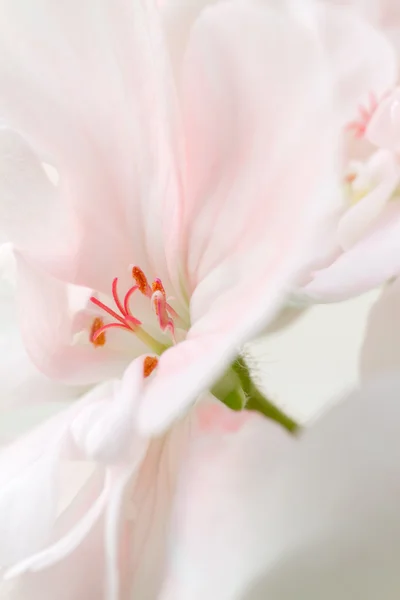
(47, 326)
(102, 110)
(259, 174)
(22, 385)
(28, 508)
(358, 219)
(371, 262)
(67, 544)
(31, 215)
(105, 430)
(178, 19)
(82, 573)
(361, 59)
(384, 127)
(29, 472)
(115, 524)
(380, 352)
(139, 505)
(147, 510)
(231, 456)
(105, 434)
(320, 521)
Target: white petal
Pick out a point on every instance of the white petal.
(231, 456)
(105, 430)
(359, 219)
(369, 263)
(330, 526)
(320, 521)
(29, 485)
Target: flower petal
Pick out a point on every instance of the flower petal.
(384, 127)
(101, 109)
(358, 219)
(260, 155)
(22, 385)
(31, 215)
(29, 469)
(340, 536)
(371, 262)
(299, 529)
(47, 326)
(231, 456)
(80, 575)
(361, 58)
(105, 430)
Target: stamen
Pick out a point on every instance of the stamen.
(116, 297)
(101, 332)
(97, 336)
(127, 321)
(108, 310)
(160, 307)
(127, 298)
(157, 286)
(150, 363)
(141, 281)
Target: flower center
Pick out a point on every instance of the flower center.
(359, 126)
(124, 319)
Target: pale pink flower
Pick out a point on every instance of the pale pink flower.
(201, 176)
(199, 171)
(364, 243)
(203, 162)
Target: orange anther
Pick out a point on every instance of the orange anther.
(150, 363)
(97, 324)
(141, 280)
(157, 286)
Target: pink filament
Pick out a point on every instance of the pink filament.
(115, 296)
(127, 320)
(108, 310)
(108, 326)
(128, 297)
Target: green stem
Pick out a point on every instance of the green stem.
(258, 402)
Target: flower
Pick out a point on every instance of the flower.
(190, 178)
(179, 241)
(192, 168)
(367, 225)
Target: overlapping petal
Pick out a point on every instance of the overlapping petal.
(256, 173)
(367, 264)
(100, 428)
(319, 522)
(101, 109)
